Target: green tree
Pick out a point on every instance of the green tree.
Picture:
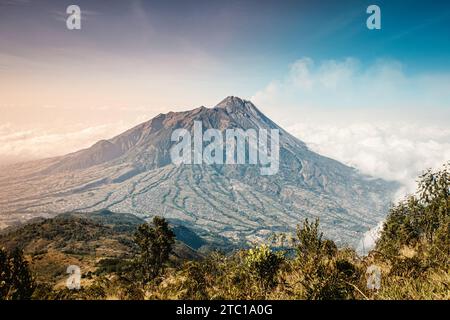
(16, 281)
(310, 244)
(155, 244)
(421, 219)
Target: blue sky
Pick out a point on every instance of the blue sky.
(201, 51)
(239, 32)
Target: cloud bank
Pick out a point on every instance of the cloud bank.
(29, 144)
(392, 151)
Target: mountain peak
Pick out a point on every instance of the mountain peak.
(232, 101)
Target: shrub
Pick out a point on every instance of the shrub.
(263, 264)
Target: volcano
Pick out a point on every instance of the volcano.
(224, 204)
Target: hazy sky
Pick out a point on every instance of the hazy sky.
(314, 68)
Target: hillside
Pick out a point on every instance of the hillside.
(92, 241)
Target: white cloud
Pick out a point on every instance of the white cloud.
(27, 144)
(393, 151)
(348, 83)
